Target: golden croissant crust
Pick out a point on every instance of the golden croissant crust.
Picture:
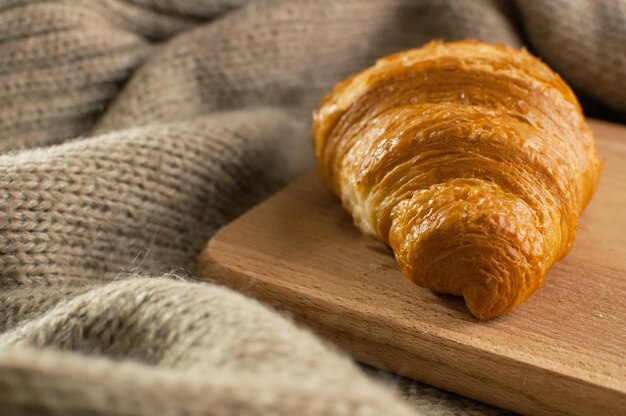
(472, 161)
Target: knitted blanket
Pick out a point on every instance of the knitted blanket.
(131, 130)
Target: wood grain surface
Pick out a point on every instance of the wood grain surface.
(562, 352)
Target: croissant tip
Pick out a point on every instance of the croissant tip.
(484, 303)
(486, 314)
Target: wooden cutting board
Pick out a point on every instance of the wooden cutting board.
(562, 352)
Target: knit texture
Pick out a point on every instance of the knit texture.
(131, 130)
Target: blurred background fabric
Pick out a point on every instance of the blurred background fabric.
(131, 130)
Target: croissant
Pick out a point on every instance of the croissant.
(471, 161)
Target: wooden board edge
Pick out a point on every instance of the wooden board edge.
(496, 387)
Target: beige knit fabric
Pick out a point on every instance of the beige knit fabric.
(131, 130)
